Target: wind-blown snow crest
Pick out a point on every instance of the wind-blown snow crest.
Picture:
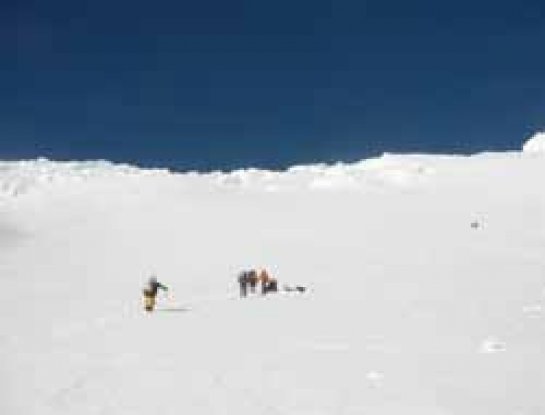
(535, 144)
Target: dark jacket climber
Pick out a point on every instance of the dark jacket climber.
(243, 281)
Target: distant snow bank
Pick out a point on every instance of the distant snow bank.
(535, 144)
(20, 177)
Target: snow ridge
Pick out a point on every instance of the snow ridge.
(404, 171)
(21, 177)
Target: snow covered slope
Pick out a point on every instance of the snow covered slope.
(426, 279)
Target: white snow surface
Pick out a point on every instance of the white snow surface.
(425, 276)
(535, 144)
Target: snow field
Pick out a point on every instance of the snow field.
(410, 309)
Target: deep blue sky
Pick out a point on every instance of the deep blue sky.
(221, 84)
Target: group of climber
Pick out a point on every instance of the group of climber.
(251, 278)
(248, 281)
